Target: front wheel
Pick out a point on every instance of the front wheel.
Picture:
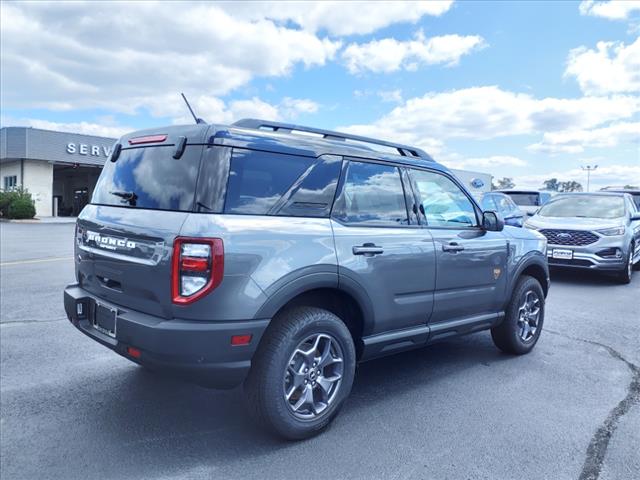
(624, 276)
(302, 373)
(520, 330)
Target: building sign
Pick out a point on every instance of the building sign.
(85, 149)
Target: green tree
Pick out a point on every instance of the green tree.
(570, 186)
(552, 184)
(631, 187)
(504, 183)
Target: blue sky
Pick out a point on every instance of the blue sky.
(528, 90)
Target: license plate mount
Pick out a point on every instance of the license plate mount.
(562, 254)
(105, 320)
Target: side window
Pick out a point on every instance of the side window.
(504, 204)
(312, 194)
(257, 180)
(372, 195)
(443, 203)
(488, 203)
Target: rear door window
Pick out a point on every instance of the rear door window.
(373, 194)
(263, 183)
(150, 178)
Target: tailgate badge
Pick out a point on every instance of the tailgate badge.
(110, 243)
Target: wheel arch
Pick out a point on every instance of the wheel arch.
(535, 266)
(346, 300)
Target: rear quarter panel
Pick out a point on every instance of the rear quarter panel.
(262, 256)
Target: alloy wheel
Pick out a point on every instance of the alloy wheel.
(529, 316)
(313, 376)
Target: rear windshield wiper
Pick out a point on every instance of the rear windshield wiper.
(130, 197)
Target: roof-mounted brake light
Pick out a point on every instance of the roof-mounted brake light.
(147, 139)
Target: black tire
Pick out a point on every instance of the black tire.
(508, 335)
(624, 276)
(265, 384)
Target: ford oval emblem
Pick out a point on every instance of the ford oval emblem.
(477, 183)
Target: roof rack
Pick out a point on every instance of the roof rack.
(257, 124)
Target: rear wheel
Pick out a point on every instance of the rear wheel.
(520, 330)
(302, 373)
(625, 274)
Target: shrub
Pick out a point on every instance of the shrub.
(22, 207)
(16, 203)
(5, 200)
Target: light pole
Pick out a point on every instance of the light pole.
(589, 169)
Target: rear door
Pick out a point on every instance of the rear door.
(125, 236)
(471, 262)
(381, 247)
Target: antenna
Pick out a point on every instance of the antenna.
(198, 120)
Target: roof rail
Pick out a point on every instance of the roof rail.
(257, 124)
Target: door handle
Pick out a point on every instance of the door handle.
(368, 250)
(452, 247)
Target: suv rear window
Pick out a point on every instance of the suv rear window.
(525, 199)
(150, 178)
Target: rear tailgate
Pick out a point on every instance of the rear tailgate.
(124, 256)
(125, 236)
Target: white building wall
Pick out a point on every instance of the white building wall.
(38, 179)
(10, 169)
(468, 178)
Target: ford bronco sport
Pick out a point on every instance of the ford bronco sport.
(278, 256)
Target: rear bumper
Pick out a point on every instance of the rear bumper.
(200, 352)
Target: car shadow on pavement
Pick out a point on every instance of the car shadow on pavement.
(174, 425)
(583, 277)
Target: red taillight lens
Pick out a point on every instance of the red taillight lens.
(238, 340)
(134, 352)
(147, 139)
(197, 268)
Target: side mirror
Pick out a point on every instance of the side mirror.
(635, 216)
(492, 222)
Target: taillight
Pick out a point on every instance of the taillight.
(198, 267)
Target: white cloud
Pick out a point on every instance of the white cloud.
(215, 110)
(390, 55)
(492, 162)
(575, 141)
(612, 67)
(490, 112)
(613, 10)
(392, 96)
(605, 175)
(340, 18)
(105, 55)
(292, 107)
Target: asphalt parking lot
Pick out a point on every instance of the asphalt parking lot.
(69, 408)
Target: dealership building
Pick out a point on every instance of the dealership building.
(59, 169)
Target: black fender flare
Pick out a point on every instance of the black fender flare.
(308, 279)
(535, 259)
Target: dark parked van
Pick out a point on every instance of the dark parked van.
(278, 256)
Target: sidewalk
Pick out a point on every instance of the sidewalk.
(42, 220)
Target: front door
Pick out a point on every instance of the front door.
(471, 277)
(381, 247)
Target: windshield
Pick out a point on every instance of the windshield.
(586, 206)
(150, 178)
(525, 199)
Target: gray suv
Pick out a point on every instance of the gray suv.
(278, 257)
(598, 231)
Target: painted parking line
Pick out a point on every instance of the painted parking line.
(37, 260)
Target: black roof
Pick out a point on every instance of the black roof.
(292, 139)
